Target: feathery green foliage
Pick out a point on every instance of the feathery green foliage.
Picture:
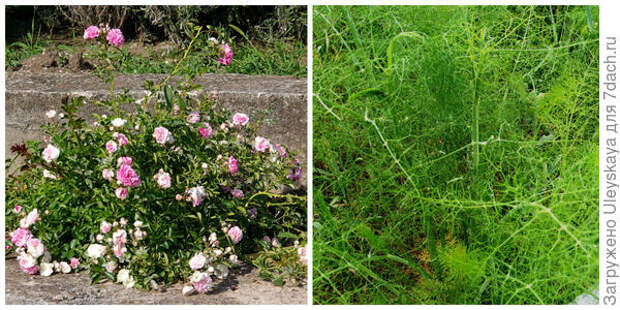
(455, 154)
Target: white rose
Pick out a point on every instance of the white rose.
(197, 276)
(137, 224)
(50, 153)
(118, 122)
(64, 267)
(27, 261)
(46, 269)
(129, 283)
(187, 290)
(122, 276)
(198, 261)
(32, 217)
(96, 250)
(50, 114)
(233, 259)
(213, 237)
(48, 174)
(139, 235)
(35, 248)
(110, 266)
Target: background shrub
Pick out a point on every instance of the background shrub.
(156, 23)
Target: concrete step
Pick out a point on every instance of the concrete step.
(282, 101)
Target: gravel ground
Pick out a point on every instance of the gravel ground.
(242, 287)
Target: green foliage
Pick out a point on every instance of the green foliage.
(455, 154)
(277, 58)
(280, 265)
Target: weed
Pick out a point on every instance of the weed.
(30, 45)
(455, 154)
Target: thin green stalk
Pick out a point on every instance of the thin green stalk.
(178, 65)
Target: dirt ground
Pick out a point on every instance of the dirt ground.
(48, 60)
(242, 287)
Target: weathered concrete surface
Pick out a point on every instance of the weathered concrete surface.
(281, 100)
(242, 287)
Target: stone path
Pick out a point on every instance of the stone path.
(243, 287)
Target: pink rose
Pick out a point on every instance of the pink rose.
(232, 165)
(119, 250)
(261, 144)
(162, 135)
(119, 237)
(122, 139)
(240, 119)
(281, 150)
(235, 234)
(74, 262)
(267, 239)
(227, 55)
(198, 261)
(28, 264)
(193, 118)
(115, 37)
(163, 179)
(201, 282)
(124, 161)
(294, 174)
(105, 227)
(127, 176)
(121, 193)
(50, 153)
(17, 208)
(91, 32)
(237, 193)
(206, 131)
(111, 146)
(107, 174)
(178, 197)
(275, 243)
(196, 194)
(302, 255)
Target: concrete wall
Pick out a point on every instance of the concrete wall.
(282, 100)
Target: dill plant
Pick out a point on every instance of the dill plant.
(455, 154)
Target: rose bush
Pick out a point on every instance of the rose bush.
(175, 190)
